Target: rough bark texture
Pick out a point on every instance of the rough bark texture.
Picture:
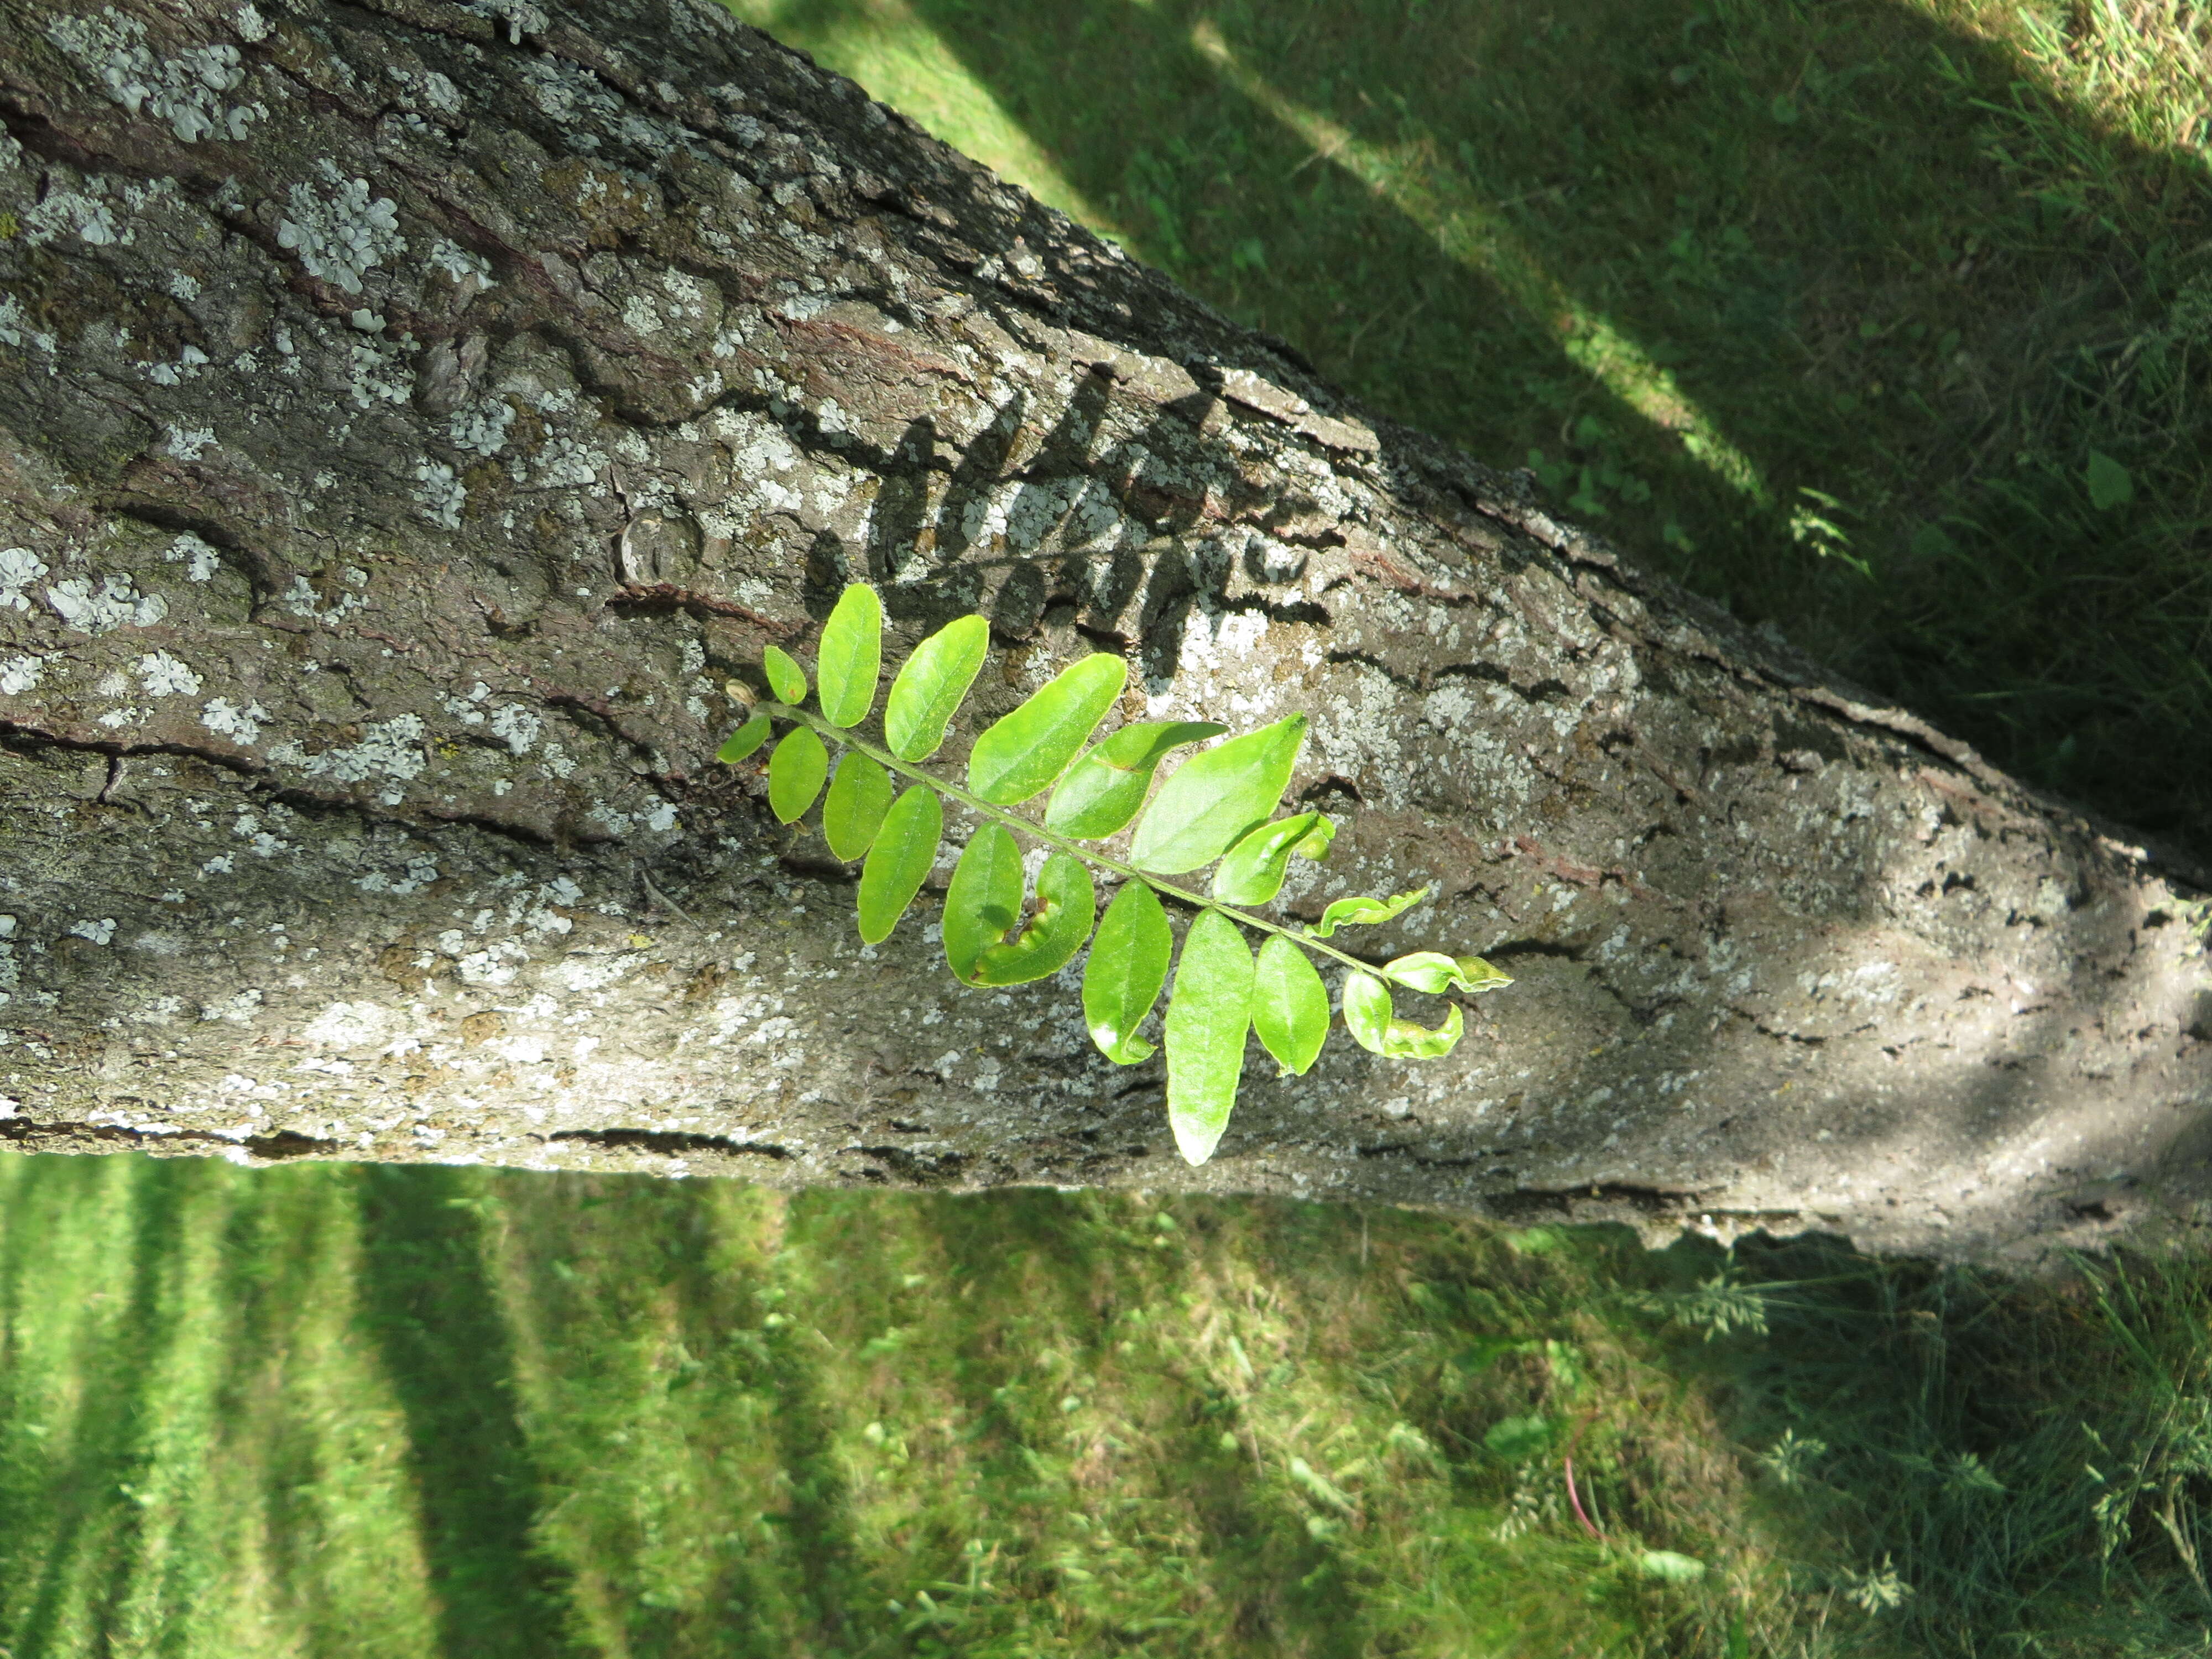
(412, 414)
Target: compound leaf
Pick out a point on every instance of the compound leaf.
(1290, 1004)
(850, 656)
(904, 852)
(1026, 751)
(1215, 797)
(1065, 906)
(984, 901)
(1435, 972)
(1103, 790)
(1128, 965)
(1365, 911)
(1253, 872)
(785, 677)
(860, 795)
(795, 772)
(1208, 1014)
(743, 741)
(1376, 1027)
(930, 685)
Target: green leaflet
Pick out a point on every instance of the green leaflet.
(743, 741)
(1375, 1026)
(904, 850)
(927, 692)
(1128, 964)
(1065, 906)
(1024, 751)
(1208, 1015)
(1215, 797)
(785, 677)
(1253, 872)
(1435, 972)
(795, 772)
(1365, 911)
(859, 796)
(1102, 790)
(984, 901)
(850, 657)
(1290, 1004)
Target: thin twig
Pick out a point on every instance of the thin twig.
(667, 902)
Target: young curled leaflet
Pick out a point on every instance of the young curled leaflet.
(1435, 972)
(1367, 911)
(1375, 1026)
(1217, 802)
(1066, 905)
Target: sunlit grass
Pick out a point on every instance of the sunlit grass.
(1825, 309)
(372, 1410)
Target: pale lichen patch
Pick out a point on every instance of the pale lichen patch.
(339, 233)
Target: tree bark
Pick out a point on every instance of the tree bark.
(413, 415)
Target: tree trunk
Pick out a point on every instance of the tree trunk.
(414, 415)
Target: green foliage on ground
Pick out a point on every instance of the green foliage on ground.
(353, 1410)
(1887, 320)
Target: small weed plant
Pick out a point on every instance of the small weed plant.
(1215, 809)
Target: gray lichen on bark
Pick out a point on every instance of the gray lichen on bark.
(412, 418)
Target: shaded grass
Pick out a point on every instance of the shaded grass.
(460, 1412)
(1828, 309)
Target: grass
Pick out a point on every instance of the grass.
(1887, 320)
(347, 1410)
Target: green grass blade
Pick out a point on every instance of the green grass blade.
(1290, 1004)
(1214, 797)
(1253, 872)
(1106, 788)
(851, 656)
(904, 852)
(984, 903)
(1127, 967)
(1024, 751)
(1066, 905)
(1208, 1015)
(795, 773)
(785, 677)
(743, 741)
(860, 795)
(931, 684)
